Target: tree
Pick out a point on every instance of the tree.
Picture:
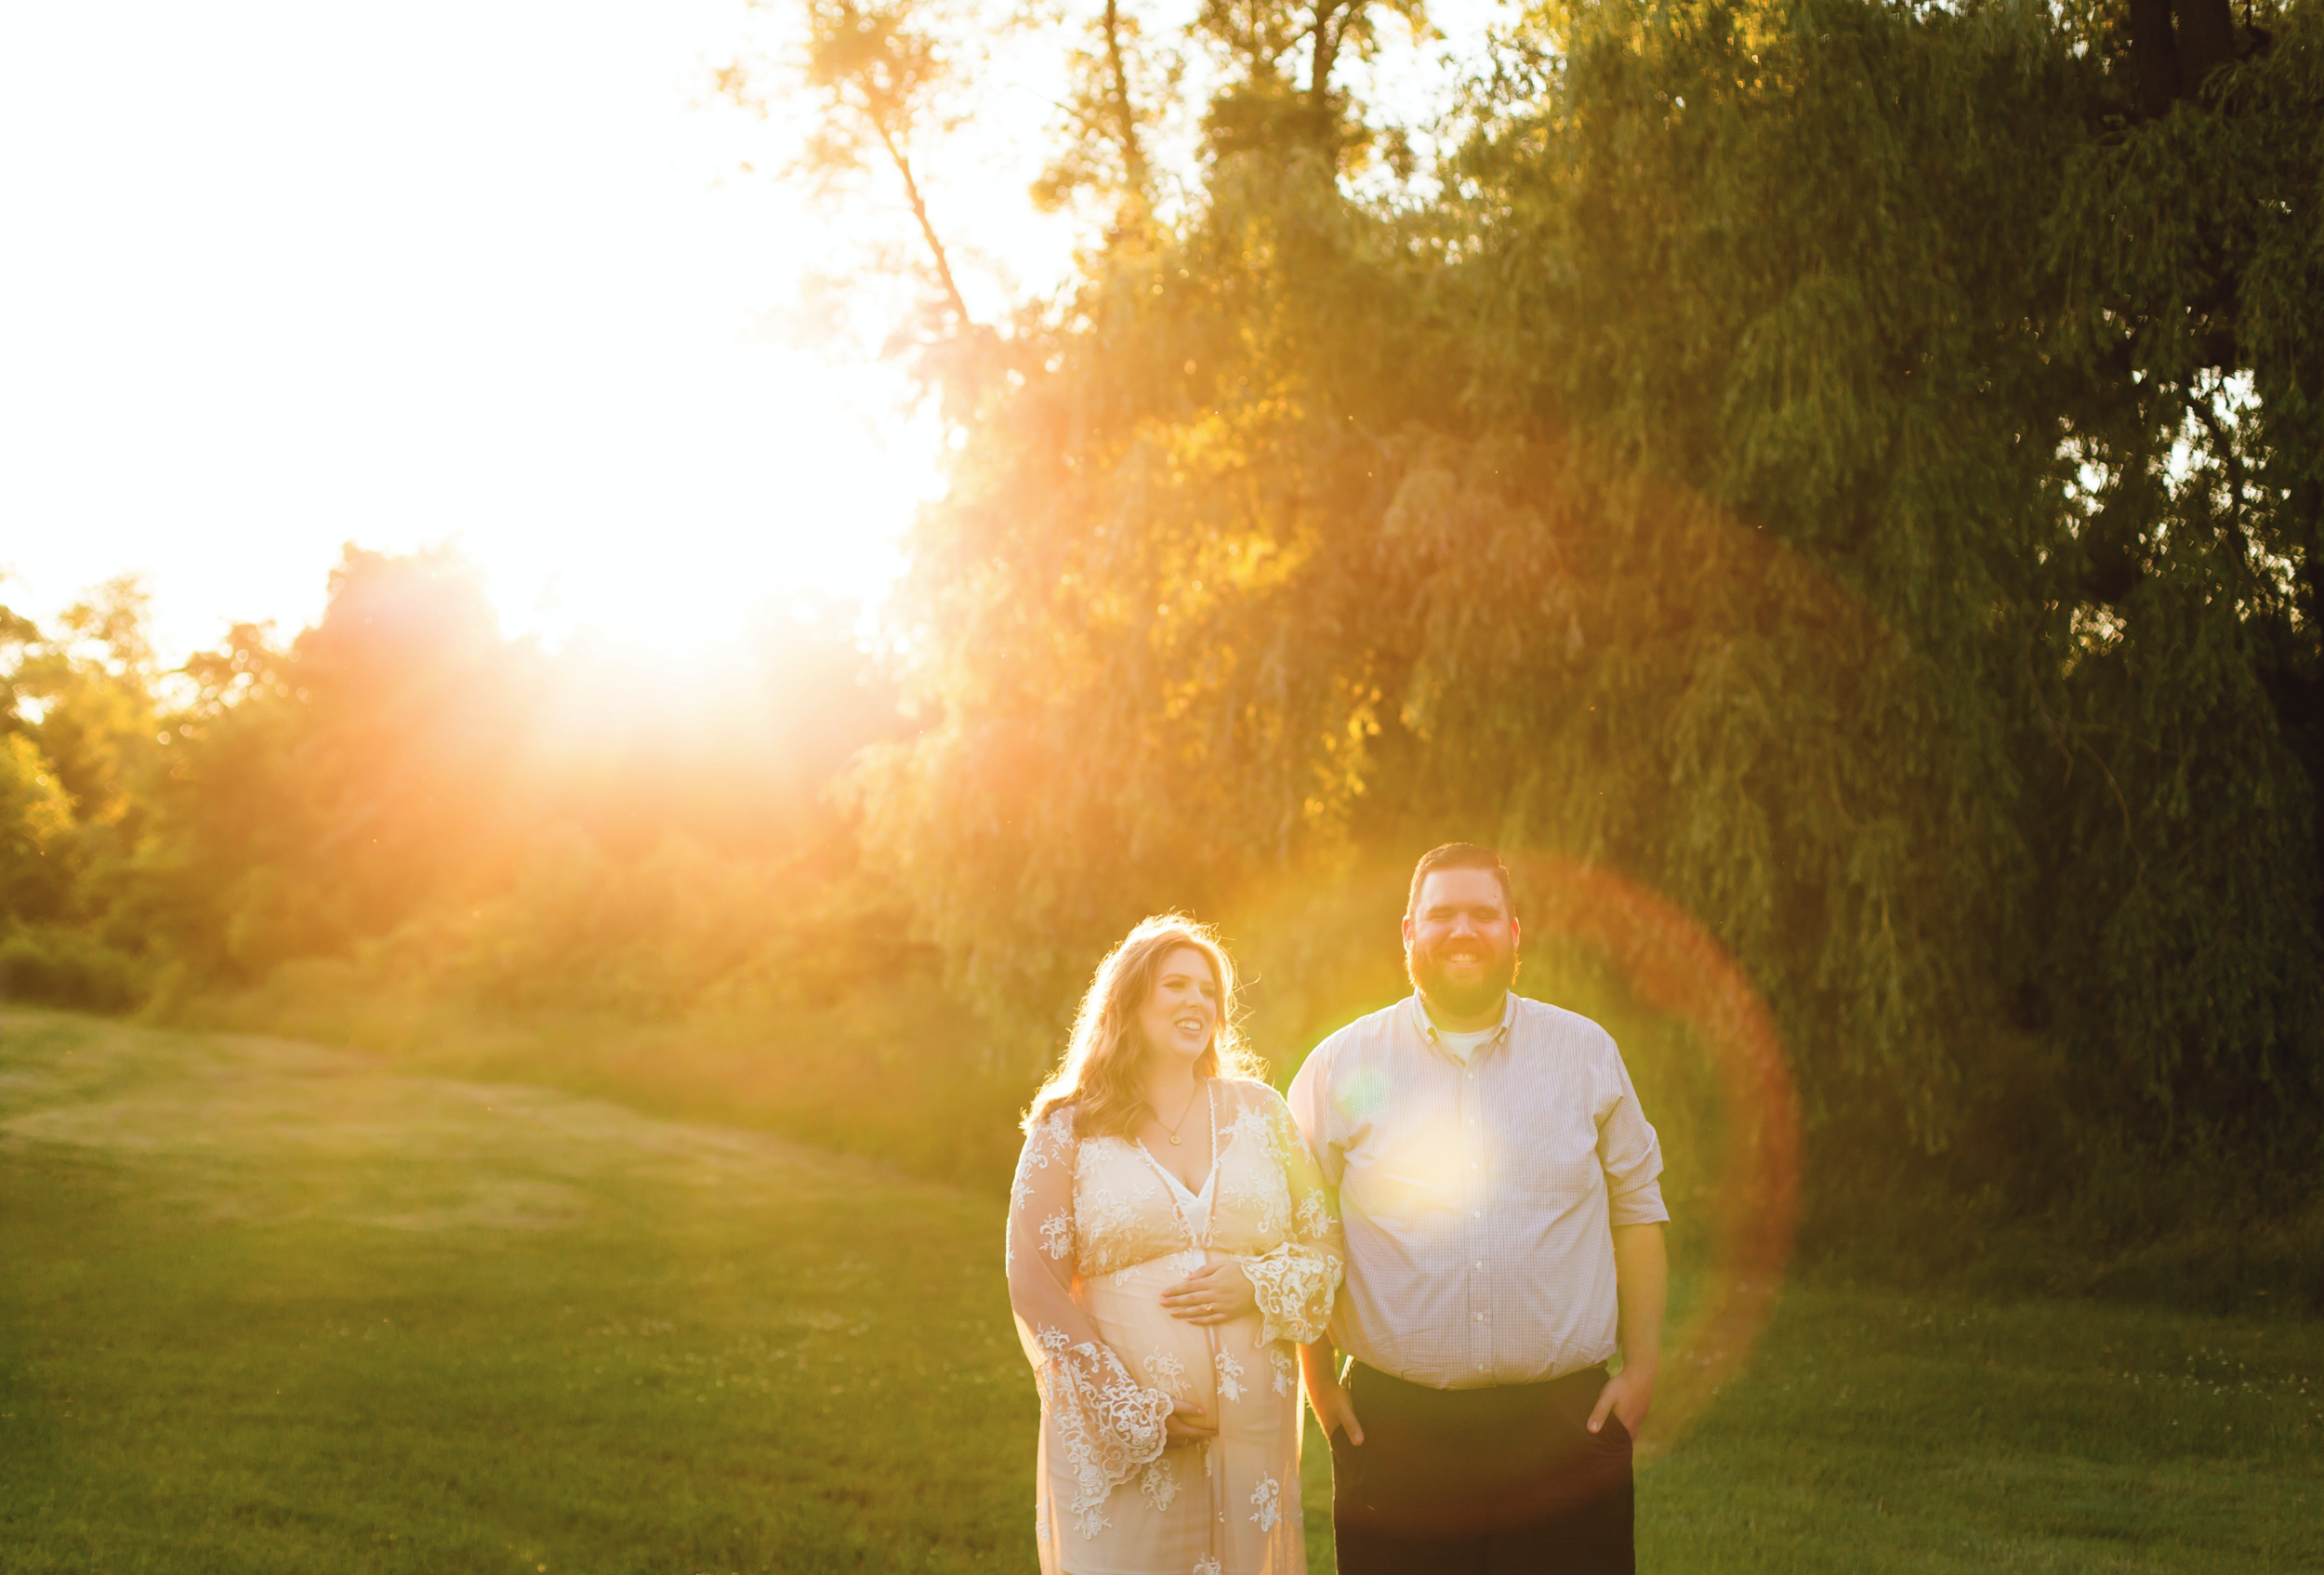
(1284, 88)
(1851, 467)
(881, 75)
(1120, 86)
(35, 832)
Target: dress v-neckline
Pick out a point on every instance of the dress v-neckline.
(1178, 1182)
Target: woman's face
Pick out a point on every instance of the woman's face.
(1182, 1010)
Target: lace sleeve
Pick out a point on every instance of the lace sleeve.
(1106, 1424)
(1295, 1281)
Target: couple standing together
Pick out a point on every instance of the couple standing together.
(1446, 1230)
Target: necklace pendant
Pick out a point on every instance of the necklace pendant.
(1173, 1142)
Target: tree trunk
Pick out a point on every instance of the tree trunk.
(2153, 55)
(1125, 116)
(2206, 40)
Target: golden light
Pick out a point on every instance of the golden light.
(495, 276)
(508, 276)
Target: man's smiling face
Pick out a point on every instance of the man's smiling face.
(1461, 941)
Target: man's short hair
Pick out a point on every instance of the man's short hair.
(1458, 855)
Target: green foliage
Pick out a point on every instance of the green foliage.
(65, 965)
(77, 755)
(1123, 83)
(322, 793)
(1282, 61)
(1853, 467)
(1966, 382)
(35, 825)
(1849, 466)
(400, 825)
(402, 764)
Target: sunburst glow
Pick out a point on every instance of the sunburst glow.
(508, 276)
(493, 275)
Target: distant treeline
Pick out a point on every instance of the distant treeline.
(404, 829)
(402, 762)
(1856, 469)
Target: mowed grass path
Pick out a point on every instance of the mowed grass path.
(268, 1306)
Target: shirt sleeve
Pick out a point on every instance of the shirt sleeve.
(1628, 1153)
(1307, 1104)
(1105, 1424)
(1295, 1282)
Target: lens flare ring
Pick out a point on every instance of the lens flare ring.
(1674, 966)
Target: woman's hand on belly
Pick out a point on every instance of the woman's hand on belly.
(1218, 1294)
(1188, 1424)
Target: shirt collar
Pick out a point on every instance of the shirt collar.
(1426, 1026)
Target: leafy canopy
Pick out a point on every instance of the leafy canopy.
(1852, 465)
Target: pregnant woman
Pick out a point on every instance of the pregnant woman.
(1170, 1243)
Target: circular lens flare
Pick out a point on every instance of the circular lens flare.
(1676, 968)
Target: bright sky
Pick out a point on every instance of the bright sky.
(283, 275)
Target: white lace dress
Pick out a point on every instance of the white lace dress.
(1098, 1229)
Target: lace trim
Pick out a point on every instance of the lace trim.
(1107, 1425)
(1294, 1286)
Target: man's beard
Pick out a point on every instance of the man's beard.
(1461, 1001)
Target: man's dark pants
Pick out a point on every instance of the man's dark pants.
(1508, 1480)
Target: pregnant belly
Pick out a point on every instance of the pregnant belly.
(1163, 1352)
(1135, 1293)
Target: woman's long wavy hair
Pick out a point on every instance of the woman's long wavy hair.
(1102, 1073)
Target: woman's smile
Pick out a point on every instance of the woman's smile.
(1181, 1015)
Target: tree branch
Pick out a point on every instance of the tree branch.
(937, 255)
(1134, 173)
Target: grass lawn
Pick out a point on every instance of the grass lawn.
(267, 1306)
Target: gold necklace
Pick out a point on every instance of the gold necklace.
(1181, 1117)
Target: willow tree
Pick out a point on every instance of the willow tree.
(1855, 466)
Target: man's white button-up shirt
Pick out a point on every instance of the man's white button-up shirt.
(1479, 1199)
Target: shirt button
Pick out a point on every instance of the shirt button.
(1480, 1317)
(1480, 1265)
(1476, 1213)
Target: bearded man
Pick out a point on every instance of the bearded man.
(1498, 1187)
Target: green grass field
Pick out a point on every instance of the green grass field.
(268, 1306)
